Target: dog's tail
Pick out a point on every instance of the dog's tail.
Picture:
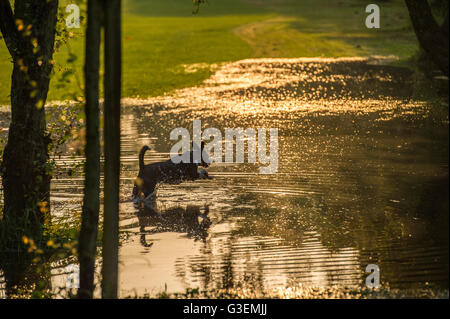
(141, 157)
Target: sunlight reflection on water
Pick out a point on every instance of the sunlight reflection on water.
(362, 178)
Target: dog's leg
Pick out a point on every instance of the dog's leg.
(204, 215)
(149, 201)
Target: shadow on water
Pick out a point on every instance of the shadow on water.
(362, 179)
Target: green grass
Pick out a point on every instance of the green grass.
(161, 37)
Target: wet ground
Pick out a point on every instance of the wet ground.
(362, 179)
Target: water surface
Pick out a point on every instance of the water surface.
(362, 179)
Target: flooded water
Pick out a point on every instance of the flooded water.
(362, 179)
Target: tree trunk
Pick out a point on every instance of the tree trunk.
(91, 204)
(29, 35)
(112, 148)
(432, 37)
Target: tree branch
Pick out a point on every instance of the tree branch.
(8, 28)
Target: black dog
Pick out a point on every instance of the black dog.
(166, 172)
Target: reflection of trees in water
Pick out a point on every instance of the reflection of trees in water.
(399, 241)
(374, 171)
(195, 223)
(220, 267)
(408, 240)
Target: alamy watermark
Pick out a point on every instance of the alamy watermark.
(373, 279)
(73, 276)
(373, 19)
(73, 19)
(256, 146)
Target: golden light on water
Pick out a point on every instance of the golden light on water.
(354, 160)
(267, 87)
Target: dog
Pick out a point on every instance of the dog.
(151, 175)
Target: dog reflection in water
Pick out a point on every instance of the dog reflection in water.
(192, 220)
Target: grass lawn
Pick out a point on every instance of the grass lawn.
(166, 47)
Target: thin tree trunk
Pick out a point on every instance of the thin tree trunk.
(91, 203)
(432, 37)
(112, 147)
(29, 34)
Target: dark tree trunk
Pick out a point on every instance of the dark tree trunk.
(91, 204)
(112, 147)
(29, 34)
(432, 37)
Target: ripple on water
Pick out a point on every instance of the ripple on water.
(363, 178)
